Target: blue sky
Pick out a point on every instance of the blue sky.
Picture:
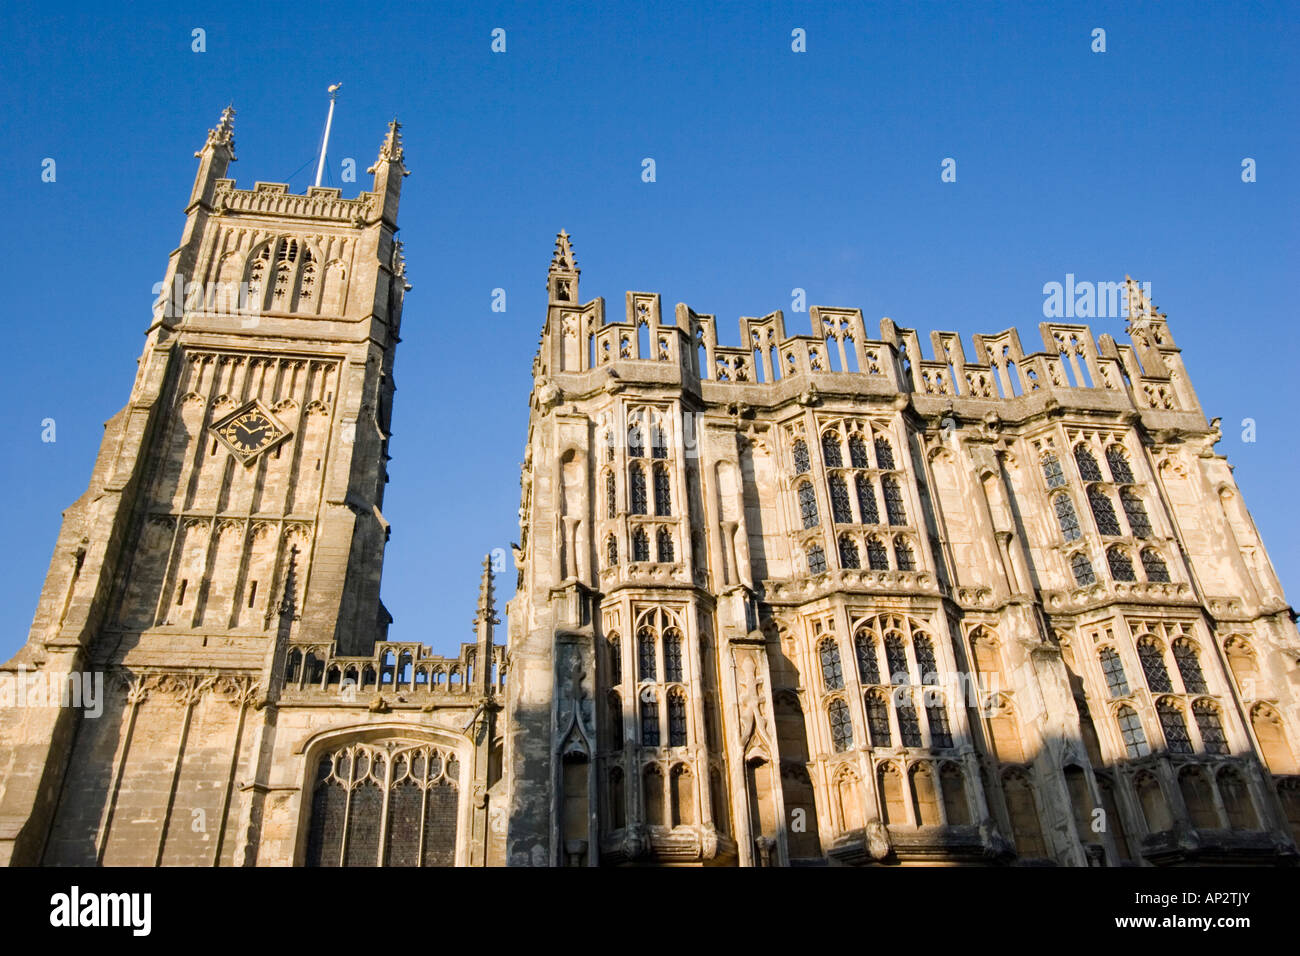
(775, 170)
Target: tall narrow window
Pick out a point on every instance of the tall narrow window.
(940, 733)
(640, 545)
(614, 654)
(611, 550)
(1136, 512)
(672, 655)
(1236, 800)
(1082, 568)
(1121, 565)
(877, 556)
(1174, 726)
(658, 442)
(1113, 670)
(799, 452)
(1130, 728)
(1119, 469)
(636, 489)
(849, 557)
(1189, 666)
(614, 703)
(878, 720)
(832, 673)
(645, 655)
(884, 453)
(866, 500)
(611, 496)
(831, 454)
(896, 659)
(1154, 566)
(841, 512)
(808, 505)
(1052, 471)
(903, 555)
(816, 559)
(841, 725)
(664, 543)
(663, 492)
(649, 719)
(1066, 516)
(676, 718)
(909, 724)
(924, 651)
(858, 452)
(893, 500)
(868, 667)
(1153, 665)
(1103, 512)
(635, 441)
(1088, 469)
(1210, 726)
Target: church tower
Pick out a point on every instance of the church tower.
(235, 505)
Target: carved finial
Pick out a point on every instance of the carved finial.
(1138, 298)
(487, 612)
(562, 260)
(288, 599)
(224, 134)
(391, 151)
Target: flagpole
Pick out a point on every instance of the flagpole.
(329, 119)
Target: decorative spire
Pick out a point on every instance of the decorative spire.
(288, 600)
(562, 259)
(224, 134)
(1140, 306)
(487, 612)
(391, 151)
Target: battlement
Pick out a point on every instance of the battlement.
(1072, 365)
(396, 668)
(274, 199)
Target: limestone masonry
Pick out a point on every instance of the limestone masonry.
(815, 599)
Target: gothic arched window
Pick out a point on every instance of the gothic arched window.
(878, 719)
(896, 659)
(831, 454)
(1121, 565)
(649, 719)
(877, 556)
(645, 655)
(635, 440)
(1130, 729)
(676, 718)
(868, 668)
(1154, 566)
(658, 441)
(884, 453)
(858, 452)
(903, 555)
(799, 452)
(849, 557)
(1236, 800)
(909, 724)
(937, 716)
(614, 655)
(640, 545)
(808, 505)
(924, 651)
(841, 512)
(664, 544)
(841, 725)
(663, 493)
(1052, 471)
(1174, 726)
(1066, 516)
(1153, 665)
(893, 500)
(1103, 512)
(828, 652)
(1136, 512)
(866, 500)
(1210, 725)
(1082, 568)
(1119, 469)
(1112, 668)
(614, 705)
(611, 496)
(672, 655)
(816, 559)
(636, 489)
(611, 551)
(1189, 666)
(1088, 469)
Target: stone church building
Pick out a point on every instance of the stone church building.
(817, 599)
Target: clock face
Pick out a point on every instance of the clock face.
(249, 431)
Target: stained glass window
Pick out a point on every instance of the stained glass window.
(664, 542)
(816, 559)
(611, 496)
(841, 725)
(1103, 512)
(893, 500)
(636, 489)
(924, 652)
(800, 454)
(841, 511)
(1066, 517)
(884, 453)
(663, 493)
(1211, 727)
(858, 452)
(1113, 670)
(676, 719)
(1189, 667)
(1088, 469)
(940, 732)
(904, 556)
(611, 551)
(807, 505)
(909, 723)
(1136, 512)
(1155, 566)
(849, 557)
(877, 556)
(832, 674)
(1052, 471)
(868, 667)
(831, 454)
(896, 658)
(1082, 567)
(672, 655)
(1174, 727)
(878, 720)
(1153, 665)
(866, 500)
(640, 545)
(649, 720)
(1119, 468)
(645, 654)
(1121, 565)
(1130, 728)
